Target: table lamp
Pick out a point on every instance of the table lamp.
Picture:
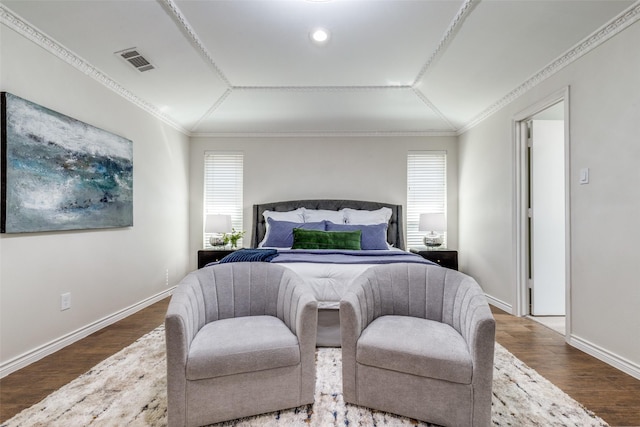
(434, 223)
(217, 225)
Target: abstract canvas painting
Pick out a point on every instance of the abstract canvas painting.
(59, 173)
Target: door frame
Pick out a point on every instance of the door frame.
(521, 190)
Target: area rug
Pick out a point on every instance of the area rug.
(129, 389)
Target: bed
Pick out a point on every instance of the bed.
(329, 272)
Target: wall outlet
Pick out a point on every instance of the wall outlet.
(65, 301)
(166, 277)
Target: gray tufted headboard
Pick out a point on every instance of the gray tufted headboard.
(395, 232)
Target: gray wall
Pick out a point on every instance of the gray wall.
(106, 271)
(605, 231)
(361, 168)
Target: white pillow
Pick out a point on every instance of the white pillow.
(291, 216)
(363, 217)
(317, 215)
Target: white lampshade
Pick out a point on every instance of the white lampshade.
(432, 222)
(217, 223)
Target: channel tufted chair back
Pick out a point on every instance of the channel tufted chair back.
(240, 341)
(426, 333)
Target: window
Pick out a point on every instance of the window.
(223, 187)
(426, 190)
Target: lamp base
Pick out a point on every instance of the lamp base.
(216, 240)
(432, 240)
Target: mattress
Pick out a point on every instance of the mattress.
(328, 281)
(330, 272)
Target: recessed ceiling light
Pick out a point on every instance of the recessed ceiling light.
(319, 36)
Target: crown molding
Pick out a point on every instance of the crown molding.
(323, 134)
(193, 37)
(455, 24)
(607, 31)
(350, 88)
(211, 110)
(429, 104)
(23, 28)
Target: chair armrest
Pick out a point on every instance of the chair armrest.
(296, 304)
(351, 326)
(300, 314)
(299, 309)
(361, 305)
(184, 318)
(307, 319)
(306, 331)
(177, 333)
(478, 328)
(481, 333)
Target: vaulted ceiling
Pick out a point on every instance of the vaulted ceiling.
(389, 66)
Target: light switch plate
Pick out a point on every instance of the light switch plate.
(65, 301)
(584, 176)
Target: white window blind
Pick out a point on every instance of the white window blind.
(223, 173)
(426, 192)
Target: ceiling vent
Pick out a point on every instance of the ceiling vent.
(133, 57)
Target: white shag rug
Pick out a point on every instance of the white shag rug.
(129, 389)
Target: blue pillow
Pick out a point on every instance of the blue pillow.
(374, 237)
(281, 232)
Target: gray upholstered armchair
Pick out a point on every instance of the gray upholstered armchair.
(418, 341)
(240, 341)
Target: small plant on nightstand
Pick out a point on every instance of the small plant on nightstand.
(233, 237)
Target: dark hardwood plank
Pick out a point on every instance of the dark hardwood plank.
(610, 393)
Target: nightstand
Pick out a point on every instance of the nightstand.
(442, 256)
(205, 256)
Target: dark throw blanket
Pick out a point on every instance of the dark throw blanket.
(250, 255)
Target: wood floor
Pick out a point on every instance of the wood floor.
(30, 385)
(610, 393)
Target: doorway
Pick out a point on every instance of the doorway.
(543, 212)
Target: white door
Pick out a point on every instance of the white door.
(547, 218)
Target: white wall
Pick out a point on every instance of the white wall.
(548, 218)
(107, 270)
(361, 168)
(604, 136)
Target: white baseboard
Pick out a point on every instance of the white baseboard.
(38, 353)
(591, 349)
(498, 303)
(606, 356)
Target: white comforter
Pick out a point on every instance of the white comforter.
(328, 281)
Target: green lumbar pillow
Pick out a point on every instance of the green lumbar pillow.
(315, 239)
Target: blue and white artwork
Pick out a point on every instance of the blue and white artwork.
(59, 173)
